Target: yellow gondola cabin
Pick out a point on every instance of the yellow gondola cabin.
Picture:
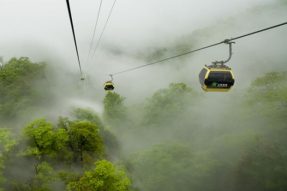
(216, 78)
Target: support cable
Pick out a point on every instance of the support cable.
(105, 26)
(226, 41)
(75, 41)
(95, 29)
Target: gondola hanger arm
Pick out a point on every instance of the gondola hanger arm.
(111, 75)
(229, 42)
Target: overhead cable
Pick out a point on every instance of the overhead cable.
(105, 26)
(199, 49)
(95, 29)
(75, 41)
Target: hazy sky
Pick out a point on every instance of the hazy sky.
(134, 23)
(40, 29)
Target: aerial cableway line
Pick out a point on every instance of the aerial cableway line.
(75, 40)
(95, 30)
(226, 41)
(103, 30)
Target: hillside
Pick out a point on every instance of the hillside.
(177, 139)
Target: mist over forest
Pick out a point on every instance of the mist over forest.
(158, 130)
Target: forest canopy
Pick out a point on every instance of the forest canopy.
(163, 143)
(20, 87)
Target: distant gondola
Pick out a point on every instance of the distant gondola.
(109, 85)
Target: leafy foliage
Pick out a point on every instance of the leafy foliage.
(170, 167)
(110, 141)
(263, 167)
(44, 175)
(105, 176)
(269, 94)
(85, 140)
(114, 109)
(87, 115)
(6, 144)
(44, 139)
(191, 143)
(270, 88)
(18, 88)
(166, 104)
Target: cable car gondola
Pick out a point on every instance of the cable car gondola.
(109, 85)
(217, 77)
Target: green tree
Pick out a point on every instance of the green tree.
(168, 104)
(19, 92)
(171, 167)
(85, 140)
(110, 141)
(6, 144)
(83, 114)
(266, 99)
(114, 109)
(71, 140)
(44, 139)
(104, 177)
(271, 88)
(41, 181)
(263, 167)
(44, 142)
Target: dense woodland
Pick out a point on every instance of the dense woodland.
(169, 142)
